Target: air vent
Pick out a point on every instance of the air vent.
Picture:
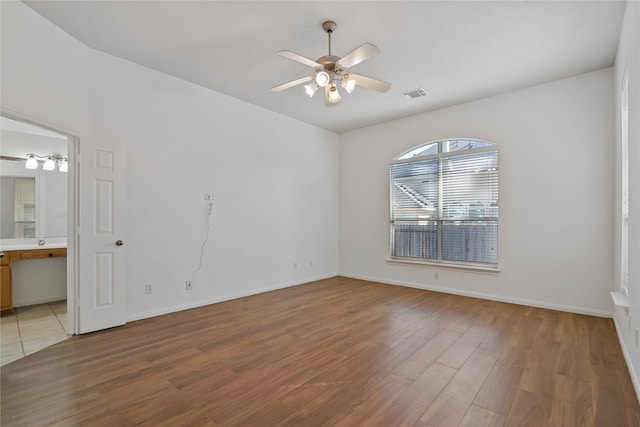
(415, 93)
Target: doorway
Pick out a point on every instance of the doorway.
(38, 217)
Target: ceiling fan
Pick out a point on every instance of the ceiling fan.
(330, 71)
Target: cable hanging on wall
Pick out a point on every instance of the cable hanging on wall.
(194, 274)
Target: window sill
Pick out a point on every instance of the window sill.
(620, 299)
(462, 267)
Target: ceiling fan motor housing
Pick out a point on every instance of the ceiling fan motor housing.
(329, 63)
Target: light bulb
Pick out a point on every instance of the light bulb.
(49, 164)
(64, 165)
(310, 89)
(32, 163)
(334, 95)
(348, 84)
(322, 78)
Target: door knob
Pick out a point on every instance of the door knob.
(119, 243)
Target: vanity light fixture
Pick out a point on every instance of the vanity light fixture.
(50, 162)
(32, 163)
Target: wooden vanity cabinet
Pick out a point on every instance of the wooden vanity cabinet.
(38, 253)
(5, 283)
(6, 297)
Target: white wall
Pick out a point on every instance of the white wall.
(274, 179)
(628, 57)
(37, 281)
(556, 175)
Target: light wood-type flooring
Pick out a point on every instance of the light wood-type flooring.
(340, 352)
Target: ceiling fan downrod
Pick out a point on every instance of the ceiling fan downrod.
(329, 27)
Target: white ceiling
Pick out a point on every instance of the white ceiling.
(456, 51)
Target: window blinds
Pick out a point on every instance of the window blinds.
(444, 207)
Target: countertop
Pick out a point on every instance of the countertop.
(31, 244)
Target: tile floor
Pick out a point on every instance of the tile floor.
(32, 328)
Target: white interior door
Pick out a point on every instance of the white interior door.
(102, 286)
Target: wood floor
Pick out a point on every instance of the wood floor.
(335, 352)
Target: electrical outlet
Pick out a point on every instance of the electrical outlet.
(148, 288)
(436, 276)
(295, 265)
(310, 263)
(187, 285)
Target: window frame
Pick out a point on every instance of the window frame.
(480, 266)
(624, 183)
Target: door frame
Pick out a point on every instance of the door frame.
(73, 207)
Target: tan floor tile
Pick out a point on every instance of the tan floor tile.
(9, 327)
(7, 319)
(8, 359)
(11, 349)
(37, 312)
(31, 329)
(59, 307)
(30, 334)
(10, 337)
(40, 331)
(62, 318)
(31, 346)
(40, 321)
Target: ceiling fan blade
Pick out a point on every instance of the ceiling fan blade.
(291, 84)
(299, 58)
(370, 83)
(362, 53)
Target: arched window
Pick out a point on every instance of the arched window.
(444, 203)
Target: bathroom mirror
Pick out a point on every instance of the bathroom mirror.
(33, 202)
(18, 207)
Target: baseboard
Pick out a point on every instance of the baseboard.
(627, 358)
(40, 301)
(173, 309)
(491, 297)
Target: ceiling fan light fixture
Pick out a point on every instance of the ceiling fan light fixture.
(334, 95)
(310, 89)
(348, 84)
(322, 78)
(32, 162)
